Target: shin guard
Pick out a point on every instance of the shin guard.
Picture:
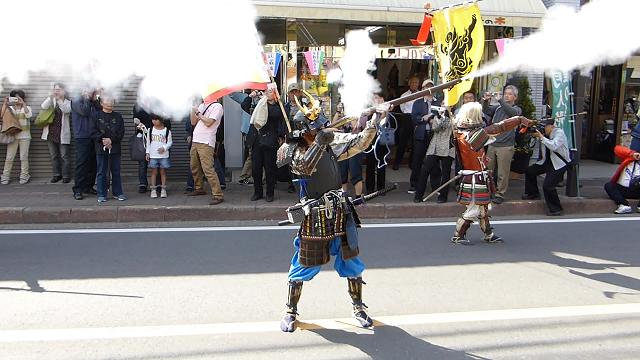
(359, 308)
(462, 226)
(287, 324)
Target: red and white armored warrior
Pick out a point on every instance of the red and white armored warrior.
(476, 187)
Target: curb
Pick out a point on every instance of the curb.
(142, 213)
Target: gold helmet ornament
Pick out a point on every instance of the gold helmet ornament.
(313, 111)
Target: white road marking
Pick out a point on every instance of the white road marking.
(14, 336)
(295, 227)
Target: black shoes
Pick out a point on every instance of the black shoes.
(78, 196)
(142, 189)
(441, 201)
(269, 198)
(498, 200)
(291, 189)
(66, 180)
(256, 197)
(494, 239)
(531, 197)
(55, 179)
(555, 213)
(91, 191)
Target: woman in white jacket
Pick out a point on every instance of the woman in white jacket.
(58, 134)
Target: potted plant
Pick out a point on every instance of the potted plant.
(523, 143)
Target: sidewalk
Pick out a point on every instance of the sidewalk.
(40, 202)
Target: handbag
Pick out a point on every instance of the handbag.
(387, 134)
(137, 148)
(45, 117)
(10, 125)
(6, 139)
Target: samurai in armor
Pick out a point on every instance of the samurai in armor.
(476, 187)
(328, 220)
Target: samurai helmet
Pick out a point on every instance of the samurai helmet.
(310, 115)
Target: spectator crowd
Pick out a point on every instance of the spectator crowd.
(422, 128)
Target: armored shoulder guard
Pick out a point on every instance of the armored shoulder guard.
(285, 154)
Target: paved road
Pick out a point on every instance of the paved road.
(565, 290)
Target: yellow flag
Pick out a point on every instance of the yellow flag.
(459, 45)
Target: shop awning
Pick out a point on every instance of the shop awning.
(521, 13)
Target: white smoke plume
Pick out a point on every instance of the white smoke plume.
(357, 84)
(601, 32)
(177, 47)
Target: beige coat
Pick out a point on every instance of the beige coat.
(65, 107)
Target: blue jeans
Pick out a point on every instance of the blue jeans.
(190, 184)
(102, 162)
(142, 174)
(219, 170)
(345, 268)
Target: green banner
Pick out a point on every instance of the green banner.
(561, 106)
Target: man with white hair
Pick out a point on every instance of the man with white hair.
(500, 152)
(476, 188)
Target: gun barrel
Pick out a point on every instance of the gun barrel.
(422, 93)
(402, 100)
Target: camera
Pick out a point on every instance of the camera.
(438, 111)
(13, 100)
(536, 127)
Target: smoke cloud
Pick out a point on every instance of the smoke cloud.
(600, 33)
(357, 85)
(178, 48)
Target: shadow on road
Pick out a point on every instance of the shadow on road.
(121, 255)
(390, 342)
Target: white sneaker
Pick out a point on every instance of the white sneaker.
(154, 193)
(163, 193)
(623, 209)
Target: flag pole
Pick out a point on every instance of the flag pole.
(273, 81)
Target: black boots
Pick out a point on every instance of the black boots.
(359, 308)
(287, 324)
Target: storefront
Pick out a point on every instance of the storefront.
(318, 27)
(611, 97)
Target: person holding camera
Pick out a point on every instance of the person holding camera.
(553, 162)
(422, 116)
(625, 183)
(58, 133)
(16, 104)
(500, 152)
(84, 129)
(205, 119)
(268, 123)
(440, 156)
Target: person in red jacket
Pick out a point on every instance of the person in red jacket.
(619, 188)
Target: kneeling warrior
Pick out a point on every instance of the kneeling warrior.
(329, 219)
(476, 187)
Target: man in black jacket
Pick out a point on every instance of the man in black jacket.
(107, 141)
(264, 145)
(83, 131)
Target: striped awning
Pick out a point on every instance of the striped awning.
(520, 13)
